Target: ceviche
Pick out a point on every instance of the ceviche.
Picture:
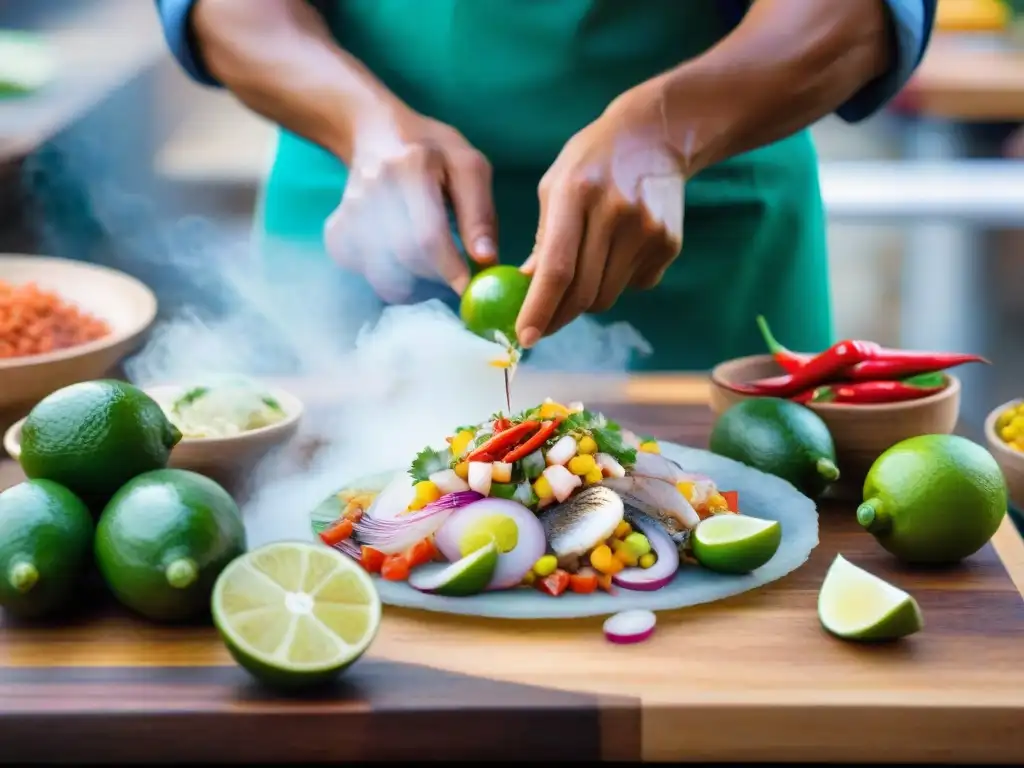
(556, 498)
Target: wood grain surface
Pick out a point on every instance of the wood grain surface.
(749, 679)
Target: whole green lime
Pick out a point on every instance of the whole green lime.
(492, 300)
(933, 499)
(779, 437)
(45, 547)
(163, 540)
(95, 436)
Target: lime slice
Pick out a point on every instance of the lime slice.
(27, 63)
(736, 543)
(468, 576)
(295, 614)
(856, 605)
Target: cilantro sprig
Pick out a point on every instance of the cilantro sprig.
(606, 433)
(428, 461)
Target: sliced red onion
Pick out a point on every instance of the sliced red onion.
(394, 535)
(630, 626)
(659, 574)
(512, 566)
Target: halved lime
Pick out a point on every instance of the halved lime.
(857, 605)
(465, 577)
(295, 614)
(492, 300)
(736, 543)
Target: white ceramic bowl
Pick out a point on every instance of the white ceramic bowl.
(128, 307)
(217, 457)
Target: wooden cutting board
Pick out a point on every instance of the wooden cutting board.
(753, 678)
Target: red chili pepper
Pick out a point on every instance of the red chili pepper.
(824, 367)
(501, 424)
(502, 441)
(555, 584)
(547, 429)
(885, 365)
(875, 392)
(337, 533)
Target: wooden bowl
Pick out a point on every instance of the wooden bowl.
(222, 458)
(861, 432)
(1009, 460)
(128, 307)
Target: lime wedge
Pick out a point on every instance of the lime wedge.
(468, 576)
(856, 605)
(735, 543)
(295, 614)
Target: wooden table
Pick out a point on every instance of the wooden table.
(752, 678)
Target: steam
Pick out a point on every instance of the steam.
(378, 384)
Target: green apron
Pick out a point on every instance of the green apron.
(520, 77)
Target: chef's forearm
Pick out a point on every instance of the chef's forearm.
(279, 58)
(788, 64)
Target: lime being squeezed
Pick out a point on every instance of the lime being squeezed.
(490, 306)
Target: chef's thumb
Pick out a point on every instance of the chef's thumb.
(469, 188)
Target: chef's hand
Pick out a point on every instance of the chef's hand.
(392, 224)
(610, 217)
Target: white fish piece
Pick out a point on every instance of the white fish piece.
(656, 499)
(584, 521)
(656, 466)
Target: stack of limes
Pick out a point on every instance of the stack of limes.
(162, 535)
(170, 544)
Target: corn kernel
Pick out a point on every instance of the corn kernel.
(717, 503)
(627, 556)
(650, 446)
(686, 488)
(638, 544)
(545, 566)
(594, 476)
(587, 445)
(553, 411)
(462, 470)
(1008, 433)
(543, 488)
(528, 578)
(581, 465)
(622, 530)
(602, 559)
(461, 442)
(426, 493)
(646, 561)
(1018, 444)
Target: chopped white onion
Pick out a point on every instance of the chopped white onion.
(609, 466)
(563, 450)
(480, 476)
(501, 472)
(562, 481)
(448, 482)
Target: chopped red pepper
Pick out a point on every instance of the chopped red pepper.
(501, 424)
(421, 553)
(547, 429)
(584, 582)
(395, 568)
(732, 498)
(371, 559)
(555, 584)
(502, 441)
(337, 533)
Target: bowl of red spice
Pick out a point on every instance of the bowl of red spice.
(871, 397)
(64, 321)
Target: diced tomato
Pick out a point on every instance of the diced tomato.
(395, 568)
(584, 582)
(604, 581)
(500, 425)
(371, 559)
(420, 553)
(337, 533)
(733, 499)
(555, 584)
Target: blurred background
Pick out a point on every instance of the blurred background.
(118, 153)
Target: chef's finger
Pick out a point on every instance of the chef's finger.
(626, 257)
(429, 250)
(661, 250)
(562, 220)
(599, 232)
(469, 187)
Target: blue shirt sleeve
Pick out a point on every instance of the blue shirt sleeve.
(912, 22)
(174, 16)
